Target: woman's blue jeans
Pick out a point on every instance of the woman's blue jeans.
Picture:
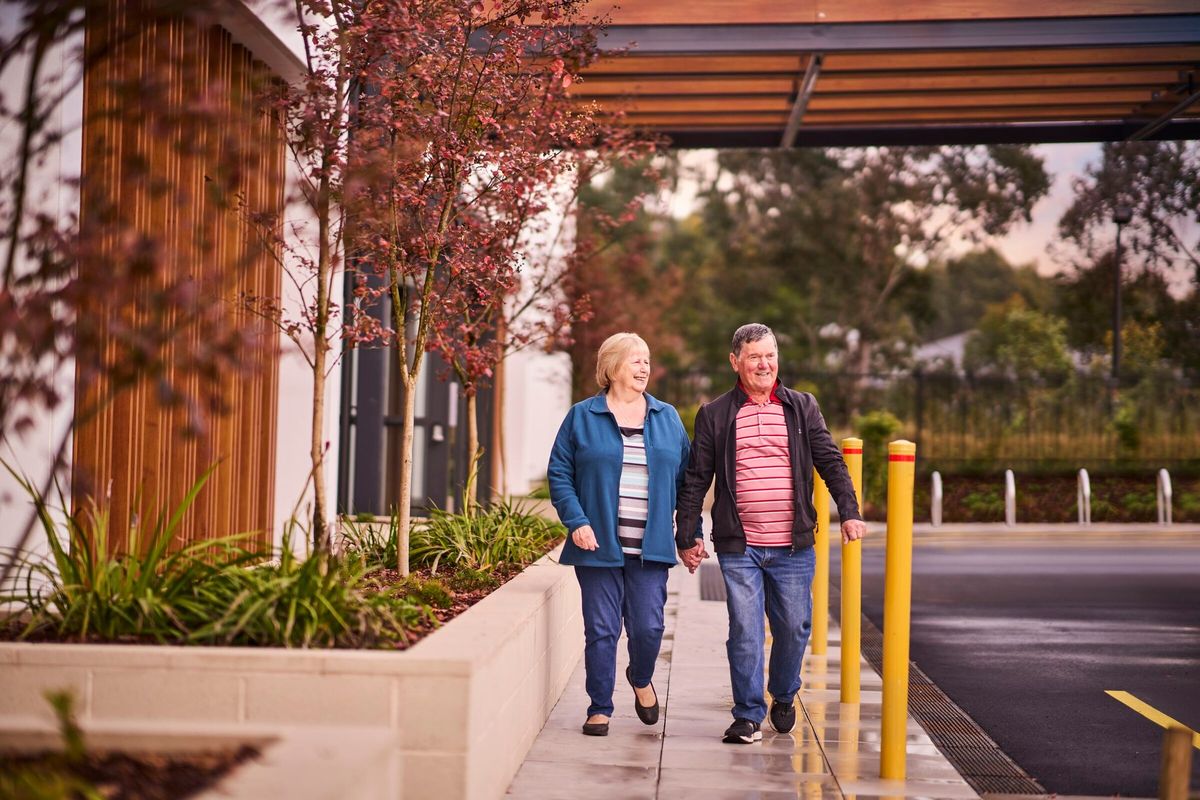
(634, 595)
(776, 581)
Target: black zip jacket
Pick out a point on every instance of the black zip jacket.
(714, 451)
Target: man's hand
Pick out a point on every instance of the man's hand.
(853, 530)
(584, 538)
(693, 556)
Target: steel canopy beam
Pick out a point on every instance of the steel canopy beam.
(898, 36)
(1156, 125)
(801, 105)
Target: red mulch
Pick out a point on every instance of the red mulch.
(461, 600)
(123, 776)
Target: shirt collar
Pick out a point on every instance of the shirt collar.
(774, 398)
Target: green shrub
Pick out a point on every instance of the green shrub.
(52, 778)
(503, 535)
(987, 504)
(1126, 425)
(430, 592)
(1102, 510)
(1188, 502)
(876, 428)
(209, 592)
(1140, 503)
(86, 589)
(688, 415)
(541, 492)
(320, 601)
(471, 580)
(374, 543)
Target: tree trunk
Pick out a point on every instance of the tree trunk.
(862, 378)
(320, 531)
(471, 490)
(407, 425)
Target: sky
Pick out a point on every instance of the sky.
(1025, 243)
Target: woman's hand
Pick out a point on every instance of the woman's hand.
(584, 538)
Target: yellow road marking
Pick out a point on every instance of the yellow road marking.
(1151, 713)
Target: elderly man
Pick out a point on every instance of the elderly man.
(761, 440)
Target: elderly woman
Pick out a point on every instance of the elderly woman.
(616, 465)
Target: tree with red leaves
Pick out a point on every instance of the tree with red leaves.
(432, 128)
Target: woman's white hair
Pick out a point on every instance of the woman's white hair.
(613, 353)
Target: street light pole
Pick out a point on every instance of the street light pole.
(1122, 214)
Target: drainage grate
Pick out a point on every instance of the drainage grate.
(973, 753)
(712, 585)
(992, 784)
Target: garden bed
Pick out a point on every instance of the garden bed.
(458, 710)
(126, 776)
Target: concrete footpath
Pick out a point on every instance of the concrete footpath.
(832, 753)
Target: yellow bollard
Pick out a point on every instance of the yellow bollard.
(852, 585)
(820, 590)
(897, 601)
(1176, 764)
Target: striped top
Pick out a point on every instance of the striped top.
(763, 475)
(634, 493)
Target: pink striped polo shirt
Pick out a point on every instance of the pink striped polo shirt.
(763, 475)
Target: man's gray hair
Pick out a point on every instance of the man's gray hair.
(751, 332)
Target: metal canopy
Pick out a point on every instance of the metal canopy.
(898, 36)
(763, 74)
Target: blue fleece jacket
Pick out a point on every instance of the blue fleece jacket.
(585, 476)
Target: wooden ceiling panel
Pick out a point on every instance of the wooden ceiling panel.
(1010, 79)
(1016, 114)
(904, 100)
(703, 103)
(988, 59)
(696, 85)
(697, 120)
(686, 65)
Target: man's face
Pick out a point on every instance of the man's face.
(757, 365)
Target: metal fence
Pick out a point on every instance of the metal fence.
(959, 420)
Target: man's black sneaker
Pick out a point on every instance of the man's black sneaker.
(742, 731)
(783, 717)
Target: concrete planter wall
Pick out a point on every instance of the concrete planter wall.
(461, 708)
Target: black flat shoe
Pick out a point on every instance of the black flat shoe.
(647, 714)
(595, 729)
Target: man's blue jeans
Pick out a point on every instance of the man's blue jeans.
(634, 594)
(777, 581)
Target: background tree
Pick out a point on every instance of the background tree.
(961, 289)
(1016, 341)
(623, 269)
(828, 247)
(1160, 182)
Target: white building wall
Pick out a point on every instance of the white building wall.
(537, 385)
(537, 395)
(52, 188)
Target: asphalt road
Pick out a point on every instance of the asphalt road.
(1027, 636)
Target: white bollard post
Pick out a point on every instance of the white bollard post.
(1163, 493)
(1083, 498)
(1010, 498)
(935, 499)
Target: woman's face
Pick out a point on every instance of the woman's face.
(634, 372)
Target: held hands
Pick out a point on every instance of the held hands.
(853, 530)
(693, 556)
(584, 538)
